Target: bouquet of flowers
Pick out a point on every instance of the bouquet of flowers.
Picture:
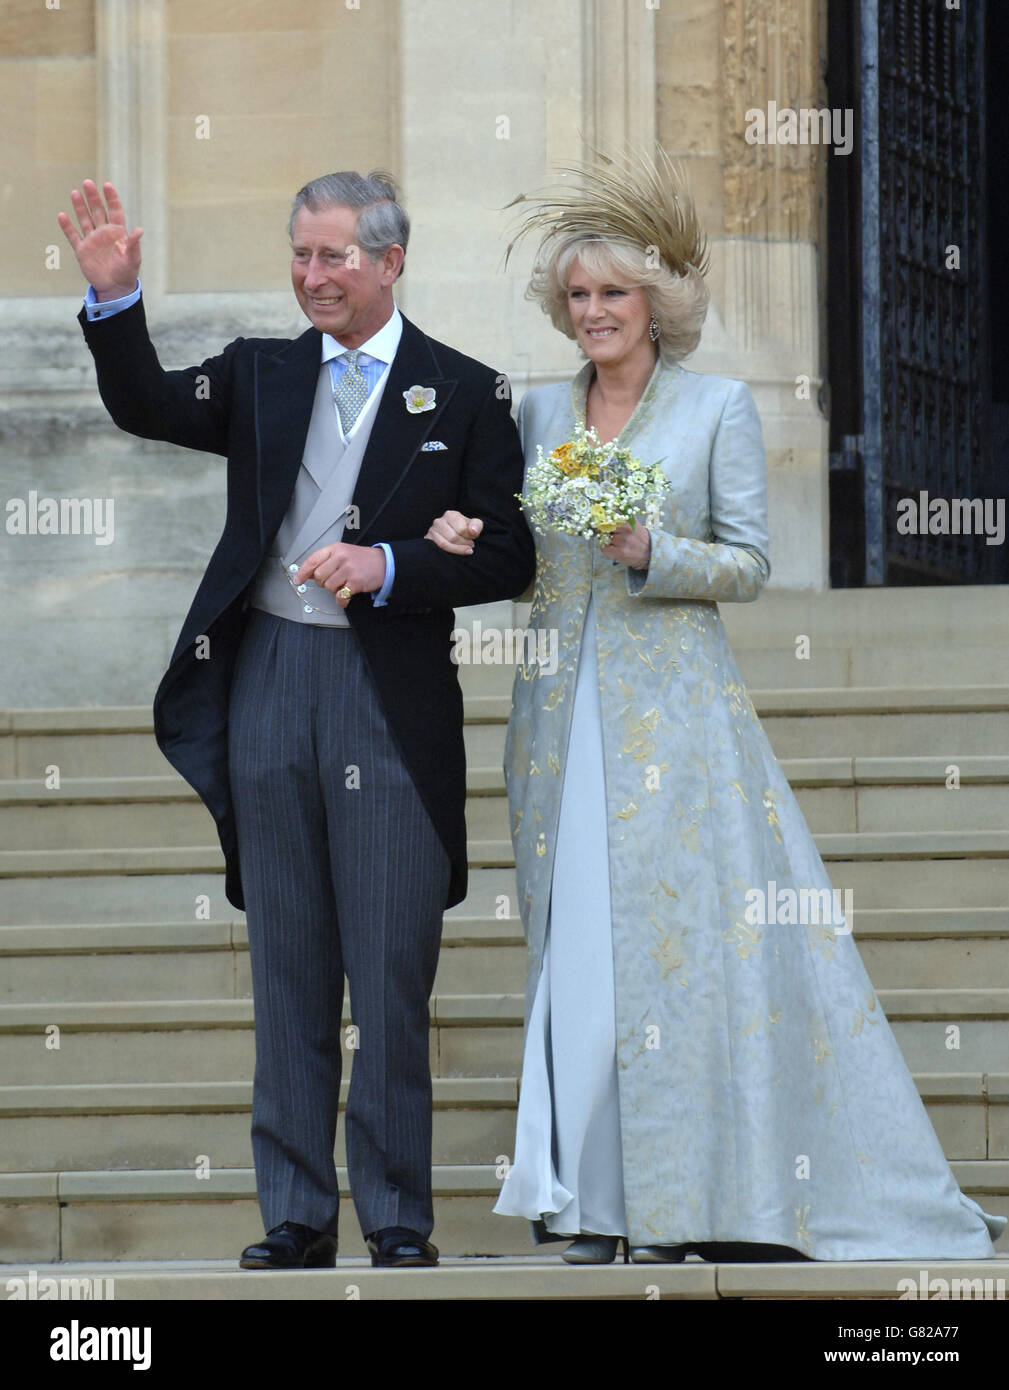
(584, 488)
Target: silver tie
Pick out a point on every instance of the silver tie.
(350, 392)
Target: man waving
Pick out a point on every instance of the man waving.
(311, 699)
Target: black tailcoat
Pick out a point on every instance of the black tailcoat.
(253, 403)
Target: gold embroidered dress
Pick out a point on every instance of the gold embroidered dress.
(753, 1089)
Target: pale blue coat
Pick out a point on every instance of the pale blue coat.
(763, 1096)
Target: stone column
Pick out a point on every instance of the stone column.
(620, 74)
(130, 47)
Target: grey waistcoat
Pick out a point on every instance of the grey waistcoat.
(317, 513)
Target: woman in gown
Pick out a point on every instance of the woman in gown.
(693, 1078)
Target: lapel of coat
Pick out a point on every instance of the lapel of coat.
(284, 384)
(397, 435)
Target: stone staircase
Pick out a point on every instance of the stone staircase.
(126, 1017)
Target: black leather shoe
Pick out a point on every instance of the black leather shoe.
(397, 1247)
(290, 1246)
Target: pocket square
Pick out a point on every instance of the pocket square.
(430, 445)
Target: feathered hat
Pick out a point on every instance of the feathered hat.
(639, 201)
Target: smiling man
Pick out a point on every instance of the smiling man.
(311, 699)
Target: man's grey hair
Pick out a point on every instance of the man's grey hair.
(381, 223)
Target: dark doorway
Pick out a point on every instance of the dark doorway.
(917, 303)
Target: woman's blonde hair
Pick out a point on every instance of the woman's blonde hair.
(679, 303)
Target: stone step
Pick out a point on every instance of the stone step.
(836, 796)
(901, 721)
(918, 845)
(929, 963)
(207, 1048)
(170, 1124)
(101, 1215)
(170, 1214)
(206, 1040)
(169, 897)
(872, 637)
(519, 1277)
(902, 734)
(137, 812)
(821, 771)
(112, 743)
(967, 882)
(171, 960)
(910, 948)
(498, 1277)
(197, 859)
(971, 880)
(471, 1036)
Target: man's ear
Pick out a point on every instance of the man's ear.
(393, 257)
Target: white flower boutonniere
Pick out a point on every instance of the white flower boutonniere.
(419, 399)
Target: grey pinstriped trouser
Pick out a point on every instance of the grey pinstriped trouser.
(343, 872)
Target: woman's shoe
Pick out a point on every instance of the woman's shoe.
(659, 1254)
(594, 1250)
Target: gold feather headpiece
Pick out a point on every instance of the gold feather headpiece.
(639, 201)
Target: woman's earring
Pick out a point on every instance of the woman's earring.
(653, 328)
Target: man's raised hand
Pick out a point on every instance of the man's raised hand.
(108, 256)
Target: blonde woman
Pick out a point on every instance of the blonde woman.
(692, 1080)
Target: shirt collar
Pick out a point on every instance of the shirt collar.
(381, 345)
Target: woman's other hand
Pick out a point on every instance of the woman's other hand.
(633, 548)
(454, 532)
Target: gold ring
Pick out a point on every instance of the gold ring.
(344, 593)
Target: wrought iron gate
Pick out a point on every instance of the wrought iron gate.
(926, 409)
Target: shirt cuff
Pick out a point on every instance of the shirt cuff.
(379, 598)
(97, 310)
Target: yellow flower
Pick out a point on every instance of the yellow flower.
(566, 459)
(601, 519)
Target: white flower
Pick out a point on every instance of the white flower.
(419, 399)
